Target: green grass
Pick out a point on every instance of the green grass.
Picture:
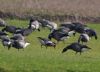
(37, 59)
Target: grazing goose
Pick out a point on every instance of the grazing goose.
(2, 23)
(18, 37)
(64, 30)
(68, 25)
(74, 26)
(58, 36)
(34, 24)
(83, 38)
(27, 31)
(91, 33)
(79, 30)
(70, 33)
(79, 27)
(3, 34)
(6, 42)
(19, 44)
(24, 31)
(11, 29)
(51, 25)
(76, 47)
(46, 42)
(79, 24)
(43, 23)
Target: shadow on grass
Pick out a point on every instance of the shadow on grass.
(25, 70)
(75, 71)
(35, 70)
(3, 70)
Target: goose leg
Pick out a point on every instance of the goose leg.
(41, 46)
(80, 53)
(76, 53)
(64, 41)
(46, 47)
(38, 29)
(18, 49)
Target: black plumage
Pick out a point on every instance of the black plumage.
(76, 47)
(11, 29)
(45, 42)
(59, 36)
(24, 31)
(91, 33)
(83, 38)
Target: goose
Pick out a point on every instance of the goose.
(6, 42)
(34, 24)
(76, 47)
(18, 37)
(50, 24)
(45, 42)
(68, 25)
(79, 27)
(91, 33)
(74, 27)
(11, 29)
(3, 33)
(2, 23)
(83, 38)
(19, 44)
(58, 36)
(64, 30)
(16, 42)
(24, 31)
(43, 23)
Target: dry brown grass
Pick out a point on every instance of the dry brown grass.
(84, 8)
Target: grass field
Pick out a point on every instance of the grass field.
(37, 59)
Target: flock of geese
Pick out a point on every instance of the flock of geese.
(59, 33)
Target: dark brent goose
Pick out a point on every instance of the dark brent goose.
(76, 47)
(45, 42)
